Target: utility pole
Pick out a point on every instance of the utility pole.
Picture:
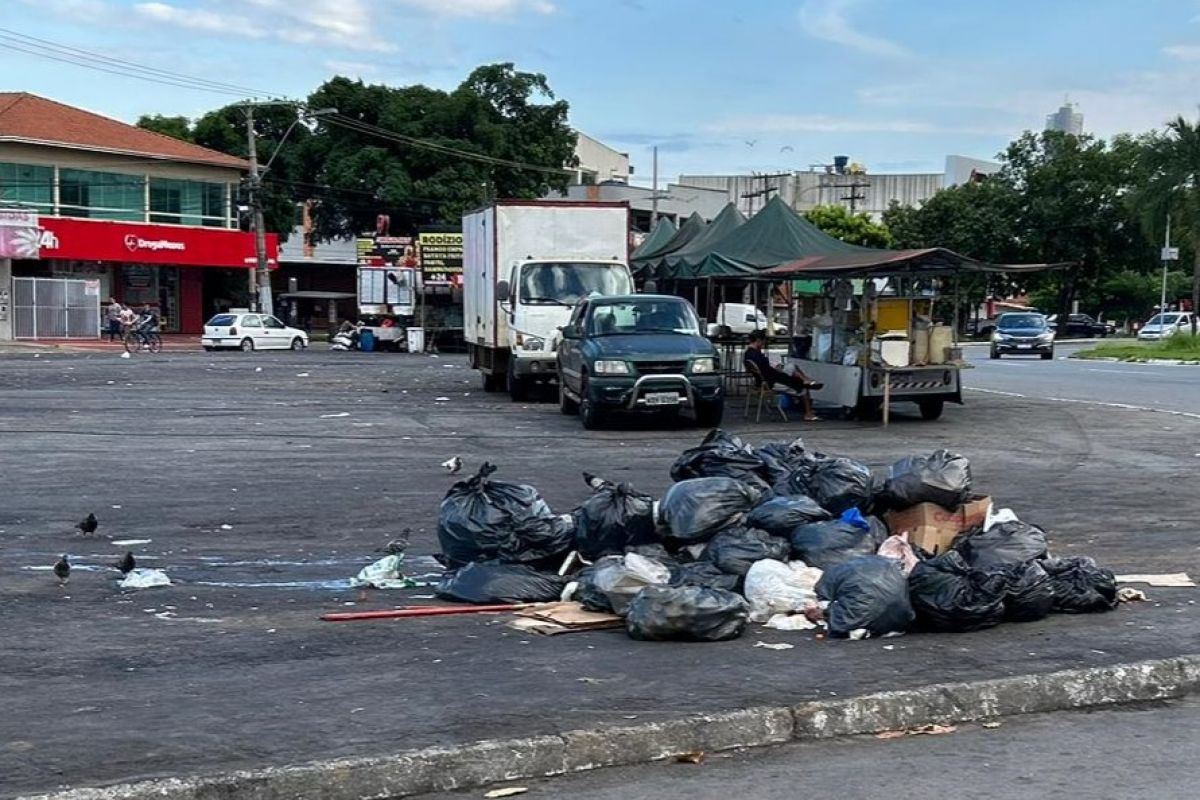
(260, 277)
(654, 192)
(1169, 254)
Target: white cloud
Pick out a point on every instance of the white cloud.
(478, 8)
(1183, 52)
(828, 20)
(198, 19)
(821, 123)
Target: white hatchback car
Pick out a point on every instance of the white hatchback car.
(249, 331)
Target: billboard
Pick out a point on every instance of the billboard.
(390, 251)
(441, 255)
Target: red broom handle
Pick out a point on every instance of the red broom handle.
(421, 611)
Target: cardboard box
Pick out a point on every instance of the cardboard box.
(932, 527)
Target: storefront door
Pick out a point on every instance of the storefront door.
(56, 308)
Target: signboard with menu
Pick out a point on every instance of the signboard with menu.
(441, 253)
(390, 251)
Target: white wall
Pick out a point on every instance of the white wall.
(599, 160)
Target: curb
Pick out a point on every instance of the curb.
(492, 761)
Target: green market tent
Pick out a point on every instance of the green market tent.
(658, 237)
(725, 223)
(692, 227)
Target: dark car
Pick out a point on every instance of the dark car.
(1081, 326)
(637, 353)
(1024, 333)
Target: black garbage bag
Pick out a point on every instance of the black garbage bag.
(488, 582)
(869, 593)
(1081, 586)
(722, 455)
(780, 515)
(1030, 594)
(695, 509)
(839, 484)
(781, 459)
(826, 544)
(1003, 544)
(949, 595)
(705, 573)
(479, 516)
(620, 578)
(587, 593)
(686, 613)
(734, 550)
(615, 517)
(541, 542)
(941, 477)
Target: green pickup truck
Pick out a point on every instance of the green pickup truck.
(637, 353)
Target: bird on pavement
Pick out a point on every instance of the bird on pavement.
(397, 546)
(452, 465)
(127, 563)
(62, 570)
(87, 526)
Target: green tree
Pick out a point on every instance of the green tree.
(1170, 167)
(175, 127)
(841, 223)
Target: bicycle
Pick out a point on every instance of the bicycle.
(136, 340)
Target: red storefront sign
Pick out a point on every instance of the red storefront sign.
(133, 242)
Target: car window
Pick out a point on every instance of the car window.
(642, 315)
(252, 321)
(271, 322)
(1021, 321)
(222, 320)
(579, 313)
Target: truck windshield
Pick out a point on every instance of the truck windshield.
(643, 316)
(564, 283)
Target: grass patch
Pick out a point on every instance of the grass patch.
(1180, 346)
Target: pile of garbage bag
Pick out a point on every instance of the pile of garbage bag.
(774, 535)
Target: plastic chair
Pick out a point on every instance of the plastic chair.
(760, 391)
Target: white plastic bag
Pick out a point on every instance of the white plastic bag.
(383, 574)
(897, 548)
(995, 517)
(144, 579)
(621, 580)
(791, 622)
(773, 587)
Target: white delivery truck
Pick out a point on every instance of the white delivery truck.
(526, 263)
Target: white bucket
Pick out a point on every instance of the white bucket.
(416, 339)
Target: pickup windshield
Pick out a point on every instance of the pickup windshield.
(643, 316)
(565, 283)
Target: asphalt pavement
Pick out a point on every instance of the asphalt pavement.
(1164, 387)
(261, 482)
(1114, 753)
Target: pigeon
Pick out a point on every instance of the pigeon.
(452, 465)
(87, 526)
(127, 563)
(397, 546)
(62, 570)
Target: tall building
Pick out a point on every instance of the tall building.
(599, 163)
(1066, 119)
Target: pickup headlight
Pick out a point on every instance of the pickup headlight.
(611, 368)
(701, 365)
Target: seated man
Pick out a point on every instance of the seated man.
(757, 361)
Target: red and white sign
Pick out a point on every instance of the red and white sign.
(137, 243)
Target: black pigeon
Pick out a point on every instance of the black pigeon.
(62, 570)
(397, 546)
(127, 563)
(88, 525)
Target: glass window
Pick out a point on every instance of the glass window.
(643, 315)
(221, 320)
(27, 185)
(566, 283)
(252, 321)
(271, 322)
(1031, 321)
(180, 202)
(101, 195)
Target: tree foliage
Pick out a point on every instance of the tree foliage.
(175, 127)
(840, 223)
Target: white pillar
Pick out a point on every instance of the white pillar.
(6, 299)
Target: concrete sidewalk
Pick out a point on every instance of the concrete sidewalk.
(319, 458)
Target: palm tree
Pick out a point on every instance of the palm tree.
(1172, 164)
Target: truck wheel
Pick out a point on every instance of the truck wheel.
(565, 404)
(518, 388)
(931, 409)
(708, 415)
(491, 382)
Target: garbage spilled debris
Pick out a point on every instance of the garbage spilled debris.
(778, 536)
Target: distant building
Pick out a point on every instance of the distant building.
(599, 163)
(964, 169)
(1066, 119)
(676, 202)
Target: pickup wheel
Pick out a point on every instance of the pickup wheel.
(708, 415)
(565, 404)
(931, 409)
(592, 417)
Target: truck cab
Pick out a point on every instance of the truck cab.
(637, 353)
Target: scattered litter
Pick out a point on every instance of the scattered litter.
(226, 527)
(441, 399)
(145, 579)
(123, 355)
(690, 758)
(383, 574)
(774, 645)
(1172, 579)
(129, 542)
(116, 506)
(992, 725)
(923, 730)
(301, 374)
(564, 617)
(258, 369)
(506, 792)
(335, 416)
(791, 622)
(452, 465)
(1127, 594)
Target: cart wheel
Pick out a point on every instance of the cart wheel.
(931, 409)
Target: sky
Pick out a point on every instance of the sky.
(719, 86)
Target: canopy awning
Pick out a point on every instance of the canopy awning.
(929, 262)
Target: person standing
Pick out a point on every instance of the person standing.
(113, 315)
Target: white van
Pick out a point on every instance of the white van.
(742, 319)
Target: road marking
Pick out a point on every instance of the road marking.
(1126, 406)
